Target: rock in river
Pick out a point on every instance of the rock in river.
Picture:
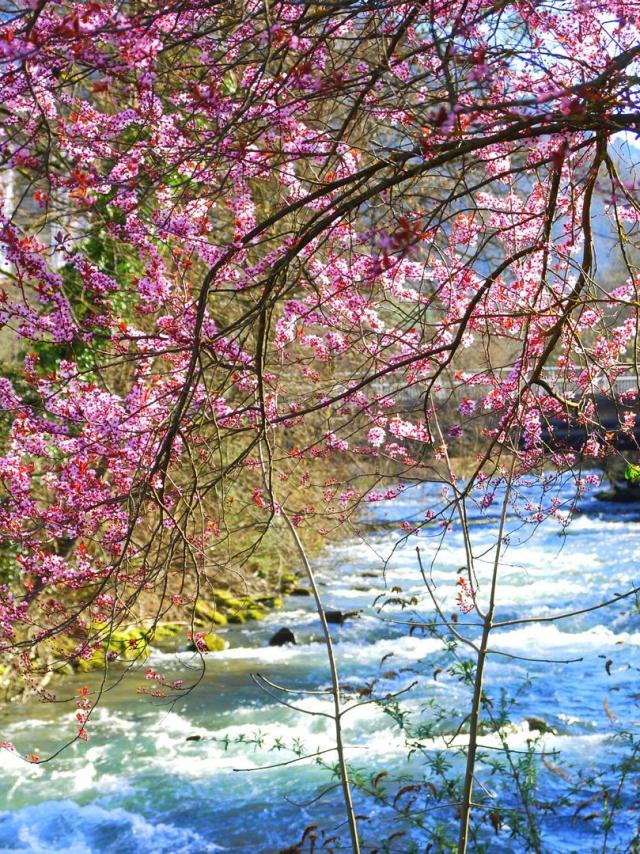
(338, 617)
(538, 725)
(282, 636)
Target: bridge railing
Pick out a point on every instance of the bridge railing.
(469, 384)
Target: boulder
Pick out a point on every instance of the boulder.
(271, 601)
(282, 637)
(538, 725)
(338, 617)
(300, 591)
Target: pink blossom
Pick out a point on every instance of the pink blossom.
(467, 407)
(376, 436)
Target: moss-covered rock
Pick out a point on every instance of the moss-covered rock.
(212, 642)
(272, 601)
(124, 644)
(288, 581)
(227, 601)
(208, 613)
(128, 643)
(165, 631)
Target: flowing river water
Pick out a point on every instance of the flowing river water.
(138, 784)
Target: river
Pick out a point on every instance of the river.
(138, 784)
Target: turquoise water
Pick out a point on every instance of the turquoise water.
(138, 785)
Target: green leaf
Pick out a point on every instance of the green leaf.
(632, 473)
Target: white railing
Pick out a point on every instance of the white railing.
(469, 384)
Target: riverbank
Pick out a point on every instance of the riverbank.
(194, 616)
